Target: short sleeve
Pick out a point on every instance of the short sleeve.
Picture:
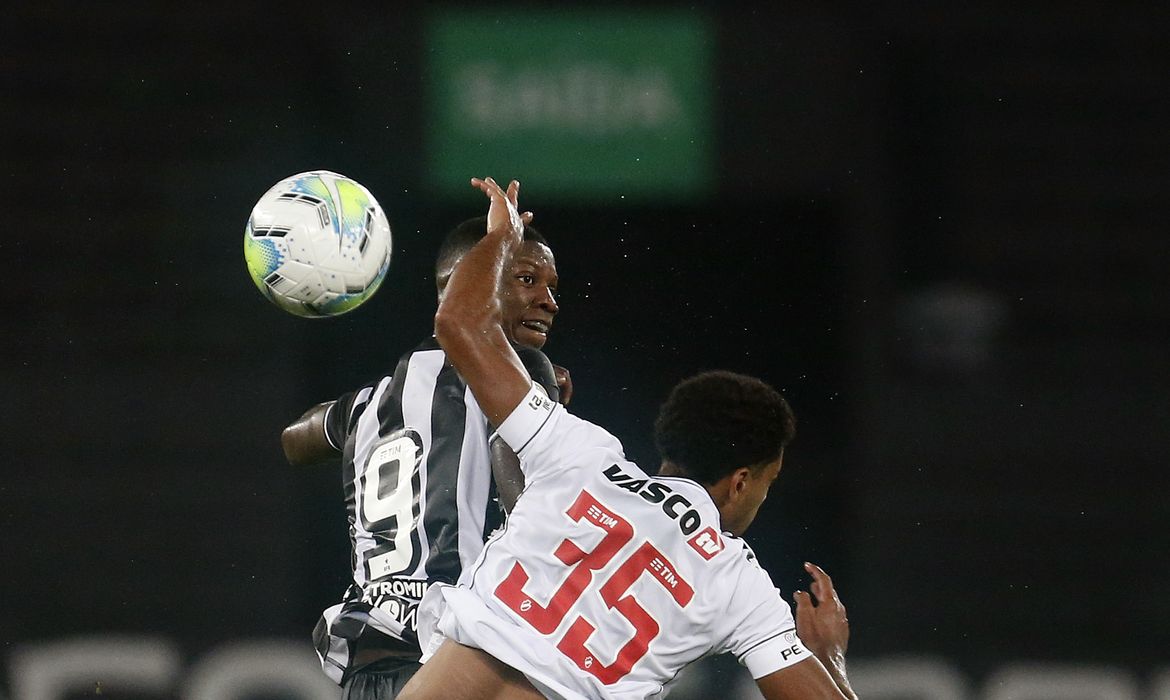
(342, 414)
(549, 439)
(761, 632)
(527, 419)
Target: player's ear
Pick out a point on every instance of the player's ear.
(730, 488)
(727, 494)
(738, 483)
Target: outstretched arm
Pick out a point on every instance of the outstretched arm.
(304, 440)
(467, 323)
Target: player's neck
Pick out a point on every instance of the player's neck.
(672, 470)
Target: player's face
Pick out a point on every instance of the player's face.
(528, 297)
(755, 491)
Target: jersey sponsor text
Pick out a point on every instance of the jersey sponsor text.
(674, 505)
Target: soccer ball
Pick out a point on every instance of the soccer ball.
(317, 244)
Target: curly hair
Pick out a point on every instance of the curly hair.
(716, 422)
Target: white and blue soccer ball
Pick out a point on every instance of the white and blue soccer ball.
(317, 244)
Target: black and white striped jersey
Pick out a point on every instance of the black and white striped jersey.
(419, 498)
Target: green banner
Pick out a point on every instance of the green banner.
(606, 104)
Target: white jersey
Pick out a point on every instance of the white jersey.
(606, 582)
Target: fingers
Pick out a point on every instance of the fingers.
(489, 187)
(564, 383)
(514, 192)
(817, 572)
(822, 586)
(482, 186)
(804, 612)
(803, 601)
(503, 213)
(493, 190)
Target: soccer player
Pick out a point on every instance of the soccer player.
(419, 490)
(607, 581)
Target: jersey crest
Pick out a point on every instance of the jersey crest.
(707, 543)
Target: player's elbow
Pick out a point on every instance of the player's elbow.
(304, 440)
(290, 443)
(446, 327)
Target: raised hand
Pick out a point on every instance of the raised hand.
(504, 212)
(822, 626)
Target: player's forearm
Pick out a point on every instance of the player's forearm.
(807, 679)
(467, 323)
(470, 311)
(470, 307)
(835, 665)
(507, 474)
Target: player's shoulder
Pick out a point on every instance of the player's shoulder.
(426, 358)
(585, 433)
(428, 344)
(735, 552)
(743, 581)
(549, 439)
(355, 402)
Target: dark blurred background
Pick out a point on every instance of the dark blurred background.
(941, 232)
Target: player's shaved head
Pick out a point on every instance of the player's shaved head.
(463, 238)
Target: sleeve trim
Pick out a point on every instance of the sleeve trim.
(534, 433)
(527, 419)
(325, 426)
(763, 641)
(775, 653)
